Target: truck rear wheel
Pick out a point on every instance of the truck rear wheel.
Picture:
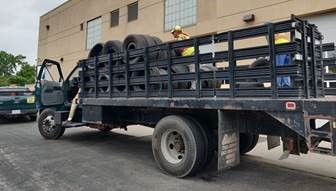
(247, 142)
(47, 127)
(178, 146)
(210, 141)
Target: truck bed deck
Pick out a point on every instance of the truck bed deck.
(317, 106)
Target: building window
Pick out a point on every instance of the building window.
(132, 11)
(93, 35)
(182, 13)
(115, 18)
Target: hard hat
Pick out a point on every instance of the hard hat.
(177, 29)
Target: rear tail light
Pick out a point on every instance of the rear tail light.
(290, 106)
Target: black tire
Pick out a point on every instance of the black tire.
(133, 42)
(111, 47)
(119, 77)
(157, 40)
(153, 72)
(193, 143)
(210, 83)
(97, 50)
(260, 62)
(152, 42)
(250, 84)
(247, 142)
(210, 141)
(104, 78)
(141, 41)
(180, 69)
(51, 132)
(164, 53)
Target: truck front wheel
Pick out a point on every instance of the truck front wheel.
(178, 146)
(47, 127)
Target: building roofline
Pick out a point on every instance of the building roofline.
(54, 9)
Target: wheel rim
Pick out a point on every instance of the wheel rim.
(173, 147)
(48, 124)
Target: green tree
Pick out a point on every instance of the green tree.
(18, 80)
(9, 63)
(3, 81)
(27, 72)
(15, 70)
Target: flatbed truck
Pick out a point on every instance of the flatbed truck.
(202, 115)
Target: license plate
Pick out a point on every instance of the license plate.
(31, 99)
(16, 111)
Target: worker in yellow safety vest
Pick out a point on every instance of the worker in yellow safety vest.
(282, 60)
(178, 34)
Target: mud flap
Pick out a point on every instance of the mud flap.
(228, 141)
(273, 141)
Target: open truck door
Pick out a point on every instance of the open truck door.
(49, 85)
(54, 95)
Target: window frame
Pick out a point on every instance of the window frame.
(87, 31)
(129, 6)
(187, 25)
(117, 22)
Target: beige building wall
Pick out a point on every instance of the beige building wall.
(65, 40)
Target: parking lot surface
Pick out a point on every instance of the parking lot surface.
(86, 159)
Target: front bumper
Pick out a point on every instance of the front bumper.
(10, 113)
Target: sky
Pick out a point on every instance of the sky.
(19, 25)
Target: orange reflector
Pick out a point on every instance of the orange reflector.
(290, 106)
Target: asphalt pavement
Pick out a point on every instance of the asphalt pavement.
(86, 159)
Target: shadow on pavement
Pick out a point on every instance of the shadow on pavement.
(127, 145)
(4, 120)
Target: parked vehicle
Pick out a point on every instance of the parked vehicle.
(211, 113)
(17, 102)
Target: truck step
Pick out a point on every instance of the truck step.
(73, 125)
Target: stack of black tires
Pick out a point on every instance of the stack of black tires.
(134, 42)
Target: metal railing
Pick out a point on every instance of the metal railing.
(111, 76)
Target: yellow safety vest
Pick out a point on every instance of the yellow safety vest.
(281, 41)
(186, 51)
